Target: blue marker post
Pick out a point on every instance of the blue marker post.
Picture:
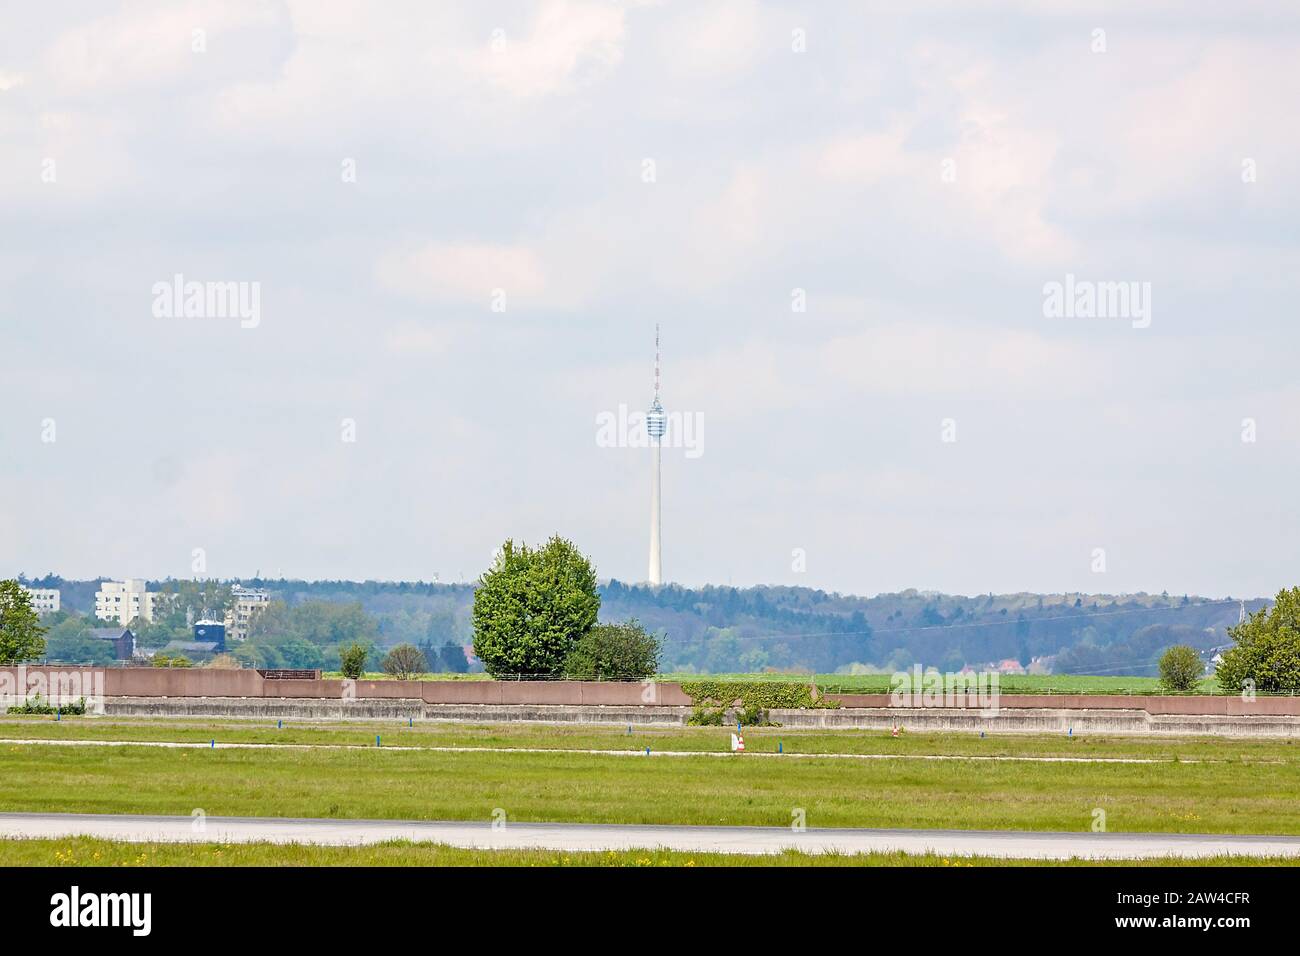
(410, 721)
(58, 715)
(1071, 733)
(376, 740)
(629, 730)
(647, 751)
(779, 748)
(279, 725)
(214, 743)
(981, 735)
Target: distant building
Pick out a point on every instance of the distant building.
(1042, 665)
(124, 601)
(214, 632)
(44, 600)
(121, 638)
(246, 604)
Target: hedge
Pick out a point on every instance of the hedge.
(712, 699)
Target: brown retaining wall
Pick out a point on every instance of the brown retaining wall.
(209, 683)
(139, 682)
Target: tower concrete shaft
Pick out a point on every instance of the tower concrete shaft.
(656, 566)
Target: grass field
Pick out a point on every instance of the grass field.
(1007, 684)
(1237, 787)
(83, 851)
(880, 683)
(666, 738)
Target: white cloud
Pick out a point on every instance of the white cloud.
(570, 44)
(412, 337)
(709, 40)
(148, 44)
(464, 273)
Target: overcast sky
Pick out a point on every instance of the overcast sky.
(464, 220)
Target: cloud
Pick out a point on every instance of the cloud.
(150, 44)
(709, 40)
(412, 337)
(464, 273)
(570, 45)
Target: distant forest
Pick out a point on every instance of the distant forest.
(725, 629)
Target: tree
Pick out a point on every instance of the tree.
(624, 651)
(1181, 668)
(75, 646)
(21, 634)
(1267, 648)
(352, 659)
(298, 653)
(452, 658)
(405, 661)
(532, 606)
(176, 599)
(441, 626)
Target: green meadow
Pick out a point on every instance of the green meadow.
(1205, 785)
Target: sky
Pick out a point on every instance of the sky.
(455, 226)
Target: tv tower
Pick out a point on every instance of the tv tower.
(656, 423)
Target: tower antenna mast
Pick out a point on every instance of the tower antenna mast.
(656, 361)
(656, 425)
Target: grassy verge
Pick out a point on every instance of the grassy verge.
(1007, 684)
(564, 787)
(85, 851)
(880, 683)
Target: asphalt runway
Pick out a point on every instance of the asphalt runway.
(698, 839)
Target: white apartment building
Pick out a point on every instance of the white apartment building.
(246, 603)
(124, 601)
(44, 600)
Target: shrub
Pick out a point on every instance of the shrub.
(714, 699)
(162, 660)
(405, 661)
(1180, 668)
(352, 660)
(624, 651)
(36, 705)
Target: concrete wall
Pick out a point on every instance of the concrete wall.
(1042, 720)
(1152, 704)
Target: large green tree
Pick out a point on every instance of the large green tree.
(532, 606)
(1267, 648)
(21, 634)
